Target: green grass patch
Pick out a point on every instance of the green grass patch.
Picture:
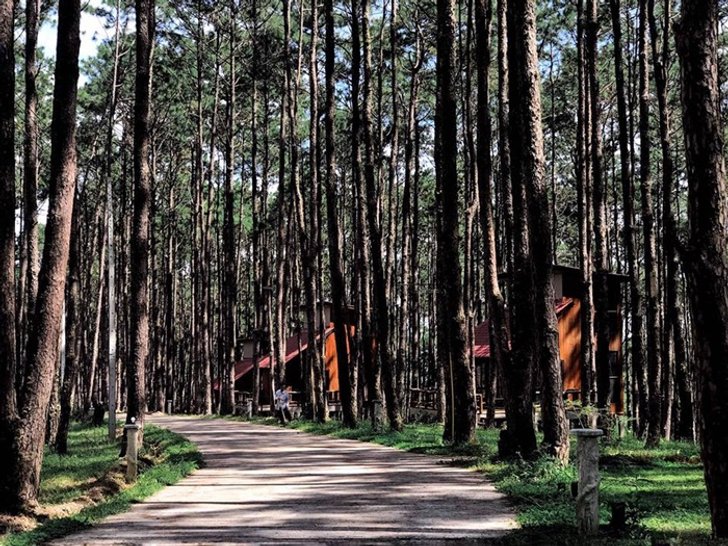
(663, 489)
(66, 478)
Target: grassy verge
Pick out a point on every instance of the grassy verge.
(85, 487)
(663, 490)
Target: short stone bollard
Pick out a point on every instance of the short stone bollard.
(587, 498)
(132, 452)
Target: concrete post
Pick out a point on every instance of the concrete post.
(587, 498)
(377, 415)
(132, 452)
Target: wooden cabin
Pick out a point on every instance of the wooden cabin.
(296, 350)
(567, 291)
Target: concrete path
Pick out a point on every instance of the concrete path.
(268, 485)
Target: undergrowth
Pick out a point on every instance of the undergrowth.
(165, 459)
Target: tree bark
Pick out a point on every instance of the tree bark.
(499, 349)
(408, 274)
(227, 366)
(601, 257)
(588, 364)
(372, 369)
(73, 335)
(674, 350)
(706, 260)
(110, 241)
(22, 483)
(315, 390)
(630, 232)
(336, 270)
(139, 323)
(504, 147)
(534, 306)
(30, 175)
(380, 322)
(461, 422)
(654, 360)
(8, 404)
(520, 436)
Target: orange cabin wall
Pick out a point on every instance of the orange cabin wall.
(570, 349)
(332, 359)
(615, 344)
(332, 363)
(570, 345)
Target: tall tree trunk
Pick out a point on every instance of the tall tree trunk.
(461, 422)
(227, 366)
(314, 380)
(94, 356)
(135, 371)
(654, 360)
(626, 175)
(675, 357)
(533, 289)
(706, 259)
(555, 425)
(588, 364)
(504, 146)
(601, 256)
(9, 485)
(409, 289)
(30, 174)
(499, 349)
(170, 305)
(336, 270)
(519, 436)
(73, 334)
(380, 324)
(398, 363)
(20, 488)
(282, 266)
(110, 242)
(372, 368)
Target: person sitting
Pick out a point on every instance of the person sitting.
(282, 400)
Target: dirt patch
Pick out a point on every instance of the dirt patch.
(13, 524)
(109, 484)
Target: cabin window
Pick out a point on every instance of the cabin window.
(615, 381)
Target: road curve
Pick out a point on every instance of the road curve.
(269, 485)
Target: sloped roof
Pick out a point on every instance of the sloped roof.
(481, 343)
(244, 366)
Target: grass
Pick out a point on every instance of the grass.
(663, 489)
(66, 480)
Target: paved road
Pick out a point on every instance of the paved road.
(267, 485)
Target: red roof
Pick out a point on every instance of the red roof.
(244, 366)
(481, 343)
